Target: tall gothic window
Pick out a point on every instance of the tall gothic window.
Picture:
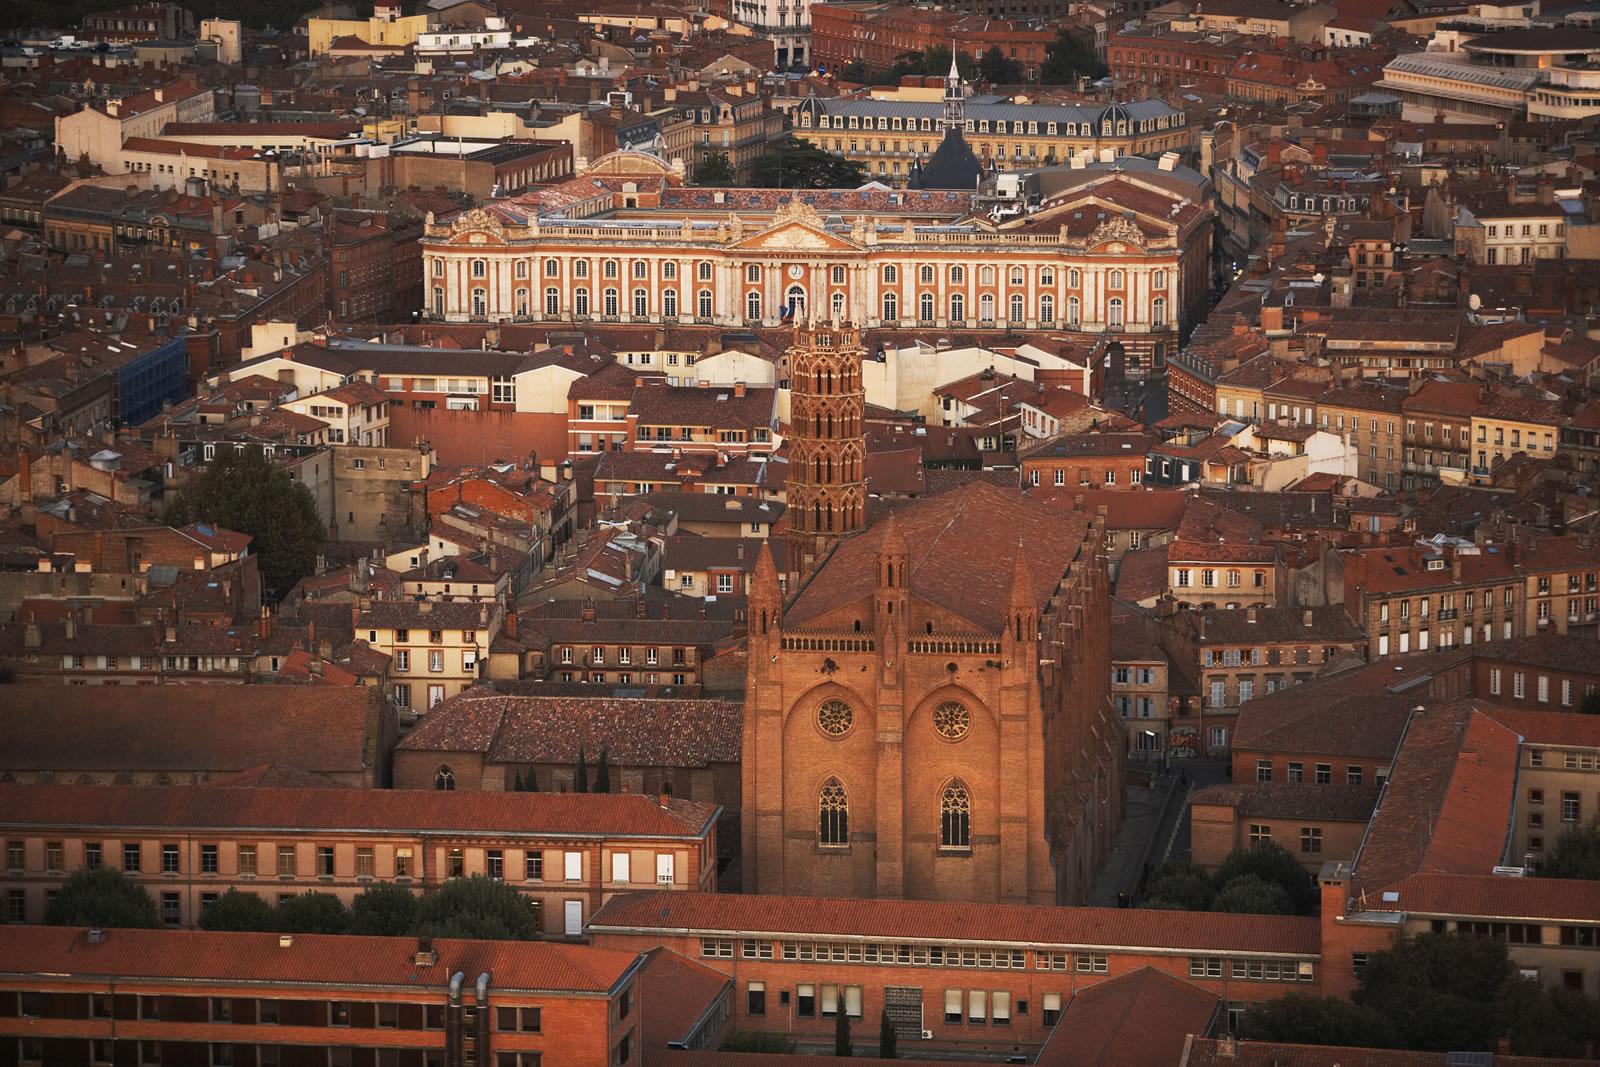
(444, 778)
(955, 816)
(833, 814)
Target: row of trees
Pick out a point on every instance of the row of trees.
(1264, 879)
(526, 782)
(476, 907)
(1440, 993)
(789, 163)
(1068, 58)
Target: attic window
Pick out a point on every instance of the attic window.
(1436, 564)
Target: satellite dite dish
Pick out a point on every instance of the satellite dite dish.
(1474, 301)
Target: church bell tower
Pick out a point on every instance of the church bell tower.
(827, 444)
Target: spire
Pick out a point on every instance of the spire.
(1021, 579)
(764, 581)
(954, 77)
(954, 97)
(894, 542)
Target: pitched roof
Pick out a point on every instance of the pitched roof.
(1205, 1052)
(1134, 1020)
(680, 993)
(1495, 896)
(210, 729)
(368, 810)
(636, 732)
(938, 921)
(343, 960)
(1293, 800)
(956, 559)
(1263, 625)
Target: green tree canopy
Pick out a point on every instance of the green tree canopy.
(1069, 58)
(1576, 854)
(841, 1033)
(1550, 1021)
(311, 913)
(1180, 885)
(580, 781)
(888, 1039)
(1297, 1018)
(477, 907)
(602, 772)
(934, 62)
(385, 910)
(246, 492)
(1275, 864)
(1253, 895)
(996, 68)
(102, 897)
(714, 169)
(791, 163)
(235, 910)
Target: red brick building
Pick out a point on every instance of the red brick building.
(75, 996)
(1164, 61)
(1092, 460)
(374, 265)
(877, 36)
(187, 846)
(986, 979)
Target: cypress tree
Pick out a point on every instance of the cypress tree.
(602, 772)
(887, 1038)
(581, 782)
(841, 1033)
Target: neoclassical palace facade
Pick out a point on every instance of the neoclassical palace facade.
(1106, 250)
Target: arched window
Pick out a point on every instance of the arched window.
(833, 814)
(1047, 276)
(1114, 280)
(522, 268)
(925, 274)
(480, 302)
(1158, 280)
(612, 300)
(641, 303)
(752, 272)
(580, 301)
(705, 304)
(1073, 316)
(552, 302)
(1047, 308)
(438, 300)
(703, 270)
(958, 275)
(1114, 313)
(986, 307)
(955, 816)
(925, 307)
(444, 778)
(480, 268)
(1017, 311)
(795, 301)
(986, 276)
(522, 302)
(1018, 276)
(837, 274)
(1074, 279)
(1158, 312)
(552, 268)
(891, 307)
(669, 303)
(958, 307)
(891, 274)
(438, 268)
(752, 305)
(580, 268)
(838, 307)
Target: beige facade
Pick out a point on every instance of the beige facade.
(396, 32)
(97, 135)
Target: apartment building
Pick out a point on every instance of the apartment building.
(1365, 415)
(1207, 574)
(1506, 424)
(1561, 585)
(1258, 650)
(187, 846)
(1433, 597)
(436, 647)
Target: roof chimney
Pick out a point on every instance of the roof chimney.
(1250, 614)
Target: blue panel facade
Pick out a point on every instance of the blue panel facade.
(158, 376)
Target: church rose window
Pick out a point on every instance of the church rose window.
(951, 720)
(834, 717)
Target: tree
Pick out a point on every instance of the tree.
(997, 69)
(855, 71)
(1550, 1020)
(1253, 895)
(581, 781)
(791, 163)
(714, 169)
(887, 1038)
(477, 907)
(384, 910)
(102, 897)
(841, 1033)
(1438, 990)
(1272, 863)
(1069, 58)
(602, 772)
(933, 63)
(1297, 1018)
(1181, 886)
(235, 910)
(244, 491)
(1576, 854)
(311, 913)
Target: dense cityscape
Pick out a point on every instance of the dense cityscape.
(551, 534)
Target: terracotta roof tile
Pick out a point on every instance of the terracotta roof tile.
(924, 920)
(1134, 1020)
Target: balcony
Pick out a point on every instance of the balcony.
(1446, 614)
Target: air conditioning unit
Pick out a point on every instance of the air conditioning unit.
(927, 1035)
